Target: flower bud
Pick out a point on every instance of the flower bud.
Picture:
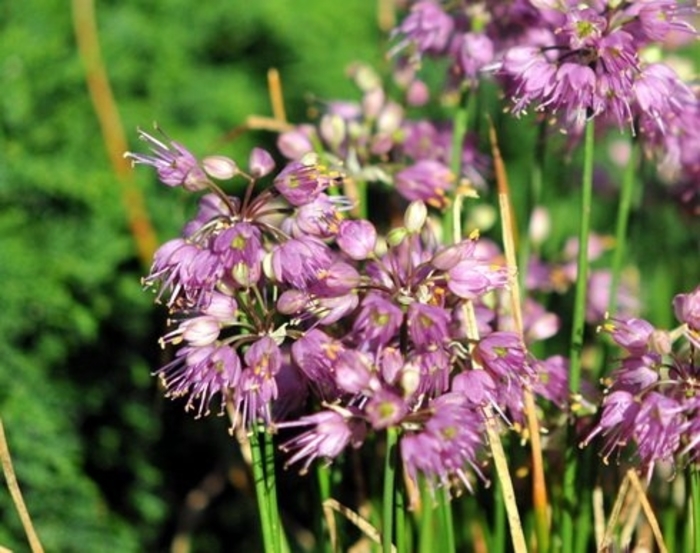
(396, 236)
(415, 216)
(220, 167)
(260, 163)
(356, 238)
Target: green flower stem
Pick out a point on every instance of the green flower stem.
(271, 485)
(261, 492)
(535, 196)
(624, 208)
(695, 499)
(459, 131)
(390, 462)
(447, 522)
(400, 513)
(323, 479)
(426, 529)
(570, 491)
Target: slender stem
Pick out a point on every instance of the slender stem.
(400, 513)
(271, 485)
(576, 346)
(536, 172)
(111, 126)
(448, 531)
(459, 131)
(695, 507)
(16, 494)
(261, 492)
(390, 459)
(426, 543)
(509, 226)
(323, 478)
(623, 212)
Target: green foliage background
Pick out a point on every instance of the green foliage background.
(105, 463)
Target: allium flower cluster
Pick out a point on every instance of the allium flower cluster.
(571, 61)
(652, 403)
(290, 314)
(377, 142)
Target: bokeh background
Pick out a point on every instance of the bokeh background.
(104, 462)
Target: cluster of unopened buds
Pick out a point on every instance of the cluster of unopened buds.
(289, 313)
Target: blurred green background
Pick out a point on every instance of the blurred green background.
(104, 462)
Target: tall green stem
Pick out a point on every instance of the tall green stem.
(261, 492)
(390, 460)
(577, 331)
(447, 523)
(271, 485)
(695, 499)
(623, 212)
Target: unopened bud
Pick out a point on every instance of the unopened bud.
(415, 216)
(220, 167)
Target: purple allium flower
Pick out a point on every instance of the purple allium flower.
(175, 165)
(447, 445)
(474, 277)
(427, 325)
(240, 244)
(378, 321)
(427, 28)
(197, 332)
(687, 309)
(296, 143)
(552, 382)
(330, 433)
(637, 373)
(260, 163)
(503, 354)
(258, 385)
(426, 180)
(617, 422)
(434, 372)
(300, 182)
(186, 270)
(201, 373)
(385, 409)
(316, 353)
(355, 373)
(356, 238)
(478, 387)
(630, 333)
(474, 52)
(658, 428)
(293, 390)
(300, 261)
(222, 307)
(322, 216)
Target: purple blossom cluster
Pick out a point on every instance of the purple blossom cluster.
(572, 61)
(377, 141)
(290, 314)
(652, 403)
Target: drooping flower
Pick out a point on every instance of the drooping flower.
(174, 164)
(329, 434)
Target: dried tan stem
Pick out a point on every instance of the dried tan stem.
(16, 494)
